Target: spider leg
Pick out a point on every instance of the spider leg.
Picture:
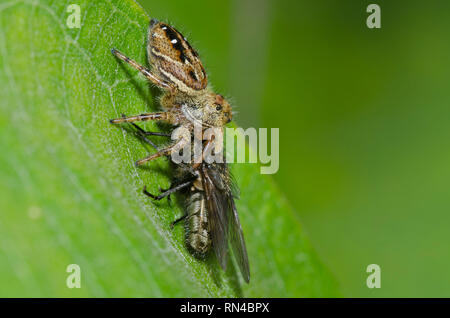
(163, 152)
(145, 71)
(142, 117)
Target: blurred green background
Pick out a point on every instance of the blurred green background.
(364, 123)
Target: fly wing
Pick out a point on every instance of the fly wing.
(238, 242)
(226, 214)
(217, 213)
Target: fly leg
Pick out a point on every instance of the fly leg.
(150, 133)
(178, 220)
(182, 218)
(143, 134)
(143, 117)
(168, 192)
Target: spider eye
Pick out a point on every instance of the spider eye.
(218, 108)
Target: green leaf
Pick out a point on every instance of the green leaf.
(72, 195)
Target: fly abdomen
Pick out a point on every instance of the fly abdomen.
(197, 226)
